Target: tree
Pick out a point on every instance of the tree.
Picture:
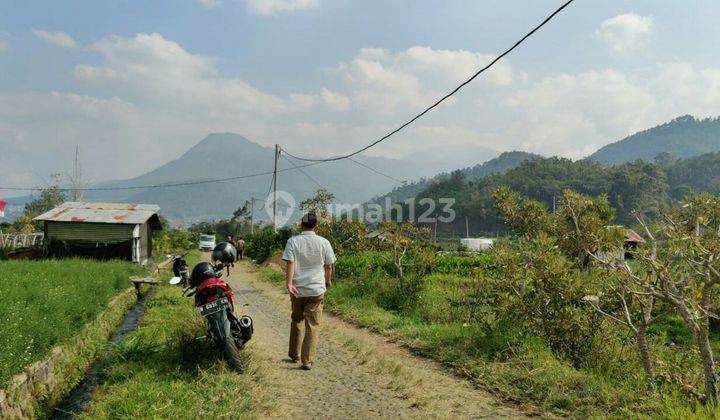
(401, 239)
(242, 213)
(318, 203)
(50, 197)
(681, 266)
(530, 218)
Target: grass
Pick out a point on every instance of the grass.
(46, 303)
(162, 370)
(443, 324)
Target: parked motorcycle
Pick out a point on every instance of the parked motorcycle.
(180, 271)
(215, 301)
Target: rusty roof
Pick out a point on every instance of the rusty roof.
(632, 236)
(117, 213)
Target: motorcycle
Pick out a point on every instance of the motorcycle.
(180, 271)
(214, 299)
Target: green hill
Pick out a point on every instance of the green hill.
(649, 187)
(682, 137)
(500, 164)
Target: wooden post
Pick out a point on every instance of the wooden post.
(435, 234)
(467, 228)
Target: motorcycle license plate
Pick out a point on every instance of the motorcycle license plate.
(213, 307)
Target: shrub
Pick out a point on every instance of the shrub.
(541, 290)
(263, 243)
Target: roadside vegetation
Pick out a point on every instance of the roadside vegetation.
(46, 303)
(163, 371)
(552, 316)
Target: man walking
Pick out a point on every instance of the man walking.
(240, 247)
(310, 260)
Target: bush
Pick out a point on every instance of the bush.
(263, 243)
(174, 240)
(541, 290)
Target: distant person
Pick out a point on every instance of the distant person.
(310, 260)
(240, 247)
(231, 240)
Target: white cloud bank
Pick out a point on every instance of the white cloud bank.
(152, 99)
(626, 32)
(60, 39)
(270, 7)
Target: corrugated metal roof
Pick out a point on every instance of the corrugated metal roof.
(118, 213)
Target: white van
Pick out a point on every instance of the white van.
(207, 242)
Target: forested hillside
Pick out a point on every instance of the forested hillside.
(682, 137)
(646, 186)
(498, 165)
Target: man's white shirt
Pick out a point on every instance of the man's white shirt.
(310, 252)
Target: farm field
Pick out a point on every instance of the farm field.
(456, 320)
(46, 303)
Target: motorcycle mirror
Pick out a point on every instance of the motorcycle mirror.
(175, 280)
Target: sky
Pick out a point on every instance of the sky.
(134, 84)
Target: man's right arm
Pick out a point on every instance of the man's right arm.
(289, 273)
(289, 257)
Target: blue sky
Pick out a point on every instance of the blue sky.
(136, 83)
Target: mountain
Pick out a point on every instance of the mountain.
(649, 187)
(498, 165)
(682, 137)
(224, 155)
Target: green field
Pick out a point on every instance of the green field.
(162, 370)
(46, 303)
(453, 318)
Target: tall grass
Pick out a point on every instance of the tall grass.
(163, 371)
(45, 303)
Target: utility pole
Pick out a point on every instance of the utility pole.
(467, 228)
(252, 215)
(275, 187)
(76, 179)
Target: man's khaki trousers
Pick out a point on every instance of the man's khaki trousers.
(307, 309)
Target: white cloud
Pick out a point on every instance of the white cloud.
(626, 32)
(383, 82)
(152, 99)
(270, 7)
(61, 39)
(302, 100)
(573, 115)
(151, 70)
(335, 100)
(209, 3)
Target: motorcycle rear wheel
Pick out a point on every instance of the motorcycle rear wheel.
(232, 354)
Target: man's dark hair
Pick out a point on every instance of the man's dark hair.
(309, 220)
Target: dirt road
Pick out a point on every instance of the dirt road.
(357, 374)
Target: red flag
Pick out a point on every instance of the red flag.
(2, 208)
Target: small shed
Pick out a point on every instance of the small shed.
(101, 230)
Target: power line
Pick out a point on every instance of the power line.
(376, 171)
(177, 184)
(441, 100)
(300, 169)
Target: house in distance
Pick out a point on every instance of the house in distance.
(101, 230)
